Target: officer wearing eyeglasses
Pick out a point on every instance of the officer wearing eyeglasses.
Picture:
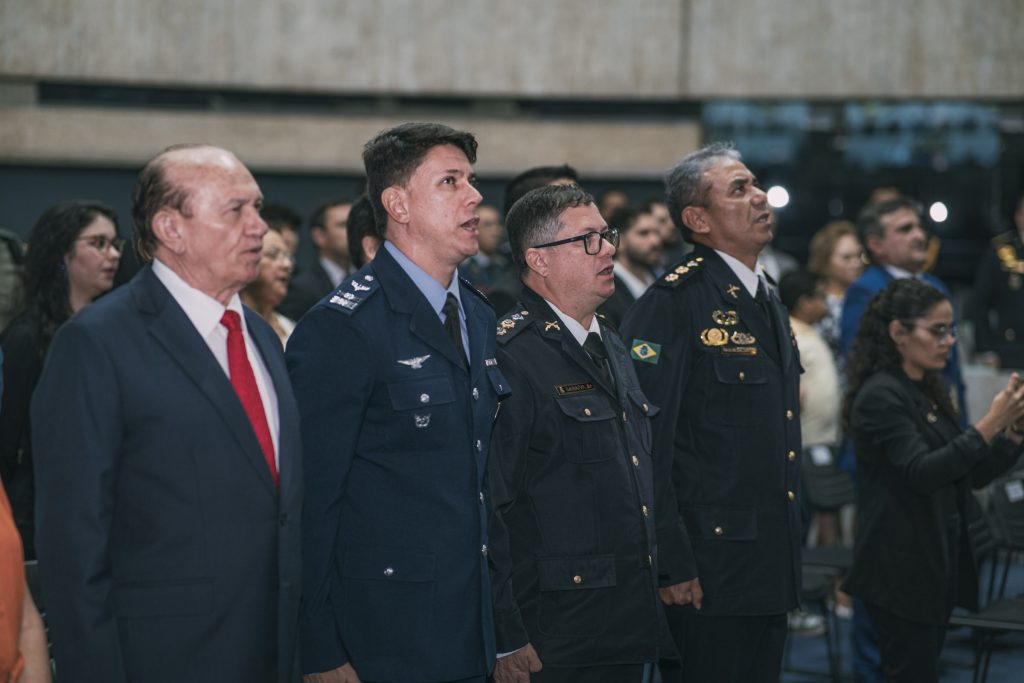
(713, 348)
(573, 559)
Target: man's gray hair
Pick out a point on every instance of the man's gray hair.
(685, 184)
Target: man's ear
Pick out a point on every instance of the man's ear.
(872, 244)
(696, 219)
(167, 227)
(396, 203)
(537, 261)
(316, 233)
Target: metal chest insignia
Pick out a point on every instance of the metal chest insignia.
(726, 318)
(714, 336)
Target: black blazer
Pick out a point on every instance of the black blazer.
(915, 469)
(574, 560)
(165, 552)
(307, 287)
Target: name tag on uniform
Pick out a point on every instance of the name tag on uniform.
(564, 389)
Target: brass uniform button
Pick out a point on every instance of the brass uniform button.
(646, 407)
(624, 418)
(577, 579)
(791, 455)
(586, 411)
(643, 509)
(719, 531)
(790, 495)
(789, 414)
(636, 461)
(743, 376)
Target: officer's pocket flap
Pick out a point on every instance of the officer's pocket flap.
(387, 563)
(740, 370)
(722, 523)
(574, 573)
(420, 392)
(590, 408)
(638, 397)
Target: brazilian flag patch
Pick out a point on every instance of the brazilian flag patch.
(648, 352)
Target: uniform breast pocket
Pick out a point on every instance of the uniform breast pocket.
(740, 393)
(423, 408)
(588, 428)
(643, 409)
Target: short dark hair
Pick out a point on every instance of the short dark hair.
(797, 284)
(280, 216)
(318, 219)
(393, 155)
(623, 219)
(869, 222)
(685, 184)
(153, 191)
(535, 177)
(360, 224)
(536, 217)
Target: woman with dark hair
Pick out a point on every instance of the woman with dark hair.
(912, 557)
(73, 254)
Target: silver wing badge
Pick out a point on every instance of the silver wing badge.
(415, 363)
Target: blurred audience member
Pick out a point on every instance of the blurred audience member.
(364, 239)
(328, 227)
(73, 254)
(486, 267)
(803, 295)
(836, 259)
(505, 290)
(538, 176)
(673, 248)
(12, 255)
(285, 220)
(912, 559)
(270, 287)
(638, 254)
(609, 200)
(997, 305)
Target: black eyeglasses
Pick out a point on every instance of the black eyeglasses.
(940, 332)
(591, 241)
(101, 242)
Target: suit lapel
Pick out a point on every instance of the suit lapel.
(173, 330)
(269, 348)
(477, 327)
(556, 333)
(404, 297)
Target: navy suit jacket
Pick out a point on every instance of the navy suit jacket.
(165, 552)
(395, 433)
(873, 280)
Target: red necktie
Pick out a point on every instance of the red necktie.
(244, 383)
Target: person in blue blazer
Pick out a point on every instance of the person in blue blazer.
(397, 385)
(167, 453)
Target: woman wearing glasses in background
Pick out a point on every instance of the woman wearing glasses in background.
(912, 559)
(268, 290)
(73, 253)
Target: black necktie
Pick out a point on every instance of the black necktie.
(595, 348)
(763, 298)
(453, 326)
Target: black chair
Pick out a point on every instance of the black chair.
(826, 487)
(989, 622)
(1006, 496)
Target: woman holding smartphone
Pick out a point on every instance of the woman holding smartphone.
(912, 556)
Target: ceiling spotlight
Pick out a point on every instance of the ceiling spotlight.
(937, 211)
(778, 197)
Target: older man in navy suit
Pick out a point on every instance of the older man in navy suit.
(398, 385)
(167, 445)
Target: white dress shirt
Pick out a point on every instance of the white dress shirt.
(205, 313)
(578, 332)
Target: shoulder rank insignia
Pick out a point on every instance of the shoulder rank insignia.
(714, 336)
(512, 324)
(648, 352)
(352, 292)
(727, 318)
(681, 272)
